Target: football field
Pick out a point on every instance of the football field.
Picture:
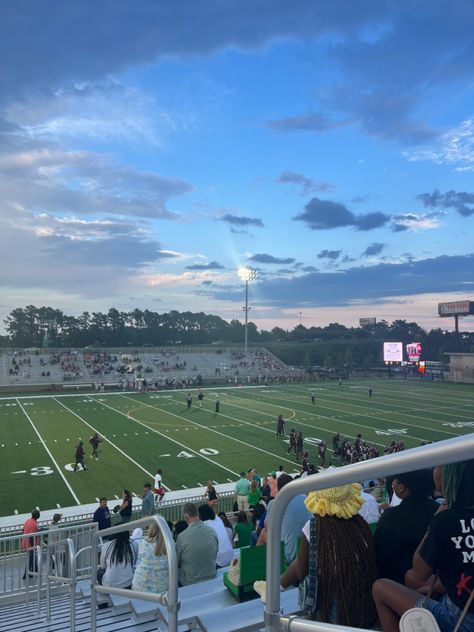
(144, 431)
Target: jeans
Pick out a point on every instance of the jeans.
(447, 614)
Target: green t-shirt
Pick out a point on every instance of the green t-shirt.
(243, 531)
(254, 497)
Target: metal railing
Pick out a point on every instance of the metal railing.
(19, 565)
(63, 574)
(441, 453)
(170, 509)
(168, 599)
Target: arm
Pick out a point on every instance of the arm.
(299, 568)
(419, 575)
(103, 556)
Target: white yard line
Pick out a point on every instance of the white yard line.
(336, 419)
(49, 453)
(132, 419)
(108, 440)
(209, 429)
(330, 406)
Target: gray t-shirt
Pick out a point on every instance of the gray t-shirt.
(196, 550)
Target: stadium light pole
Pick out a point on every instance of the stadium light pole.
(247, 274)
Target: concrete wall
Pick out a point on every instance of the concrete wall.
(461, 367)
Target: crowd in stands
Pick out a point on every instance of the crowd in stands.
(373, 549)
(100, 363)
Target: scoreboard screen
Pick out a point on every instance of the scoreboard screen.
(392, 351)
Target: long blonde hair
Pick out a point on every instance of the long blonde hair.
(155, 535)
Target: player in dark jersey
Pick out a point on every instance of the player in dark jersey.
(280, 426)
(189, 400)
(299, 445)
(200, 398)
(292, 439)
(79, 456)
(313, 398)
(94, 441)
(335, 443)
(322, 452)
(218, 404)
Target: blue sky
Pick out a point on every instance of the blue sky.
(149, 150)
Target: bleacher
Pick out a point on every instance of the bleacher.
(161, 368)
(208, 606)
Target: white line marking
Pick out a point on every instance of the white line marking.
(163, 435)
(50, 455)
(249, 445)
(105, 438)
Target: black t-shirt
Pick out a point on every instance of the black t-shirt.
(211, 494)
(399, 533)
(449, 550)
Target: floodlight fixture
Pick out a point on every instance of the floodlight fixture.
(247, 274)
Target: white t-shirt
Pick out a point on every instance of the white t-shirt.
(116, 575)
(370, 509)
(225, 552)
(158, 480)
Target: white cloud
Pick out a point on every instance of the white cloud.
(53, 180)
(455, 147)
(105, 111)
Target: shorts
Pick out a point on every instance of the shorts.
(447, 614)
(242, 502)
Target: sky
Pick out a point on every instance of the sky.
(150, 150)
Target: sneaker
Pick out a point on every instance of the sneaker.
(260, 588)
(418, 620)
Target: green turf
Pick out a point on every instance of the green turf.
(147, 431)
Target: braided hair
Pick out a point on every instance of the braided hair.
(346, 570)
(458, 484)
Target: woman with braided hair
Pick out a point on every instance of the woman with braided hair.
(444, 561)
(340, 542)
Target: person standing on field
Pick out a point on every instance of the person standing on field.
(94, 441)
(159, 490)
(79, 456)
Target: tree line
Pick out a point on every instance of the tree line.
(334, 344)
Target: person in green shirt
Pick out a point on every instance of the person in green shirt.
(243, 529)
(254, 494)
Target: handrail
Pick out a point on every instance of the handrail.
(168, 599)
(440, 453)
(70, 579)
(38, 564)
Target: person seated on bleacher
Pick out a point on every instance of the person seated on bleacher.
(243, 530)
(117, 561)
(151, 573)
(228, 526)
(401, 529)
(196, 549)
(445, 553)
(295, 517)
(341, 546)
(225, 553)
